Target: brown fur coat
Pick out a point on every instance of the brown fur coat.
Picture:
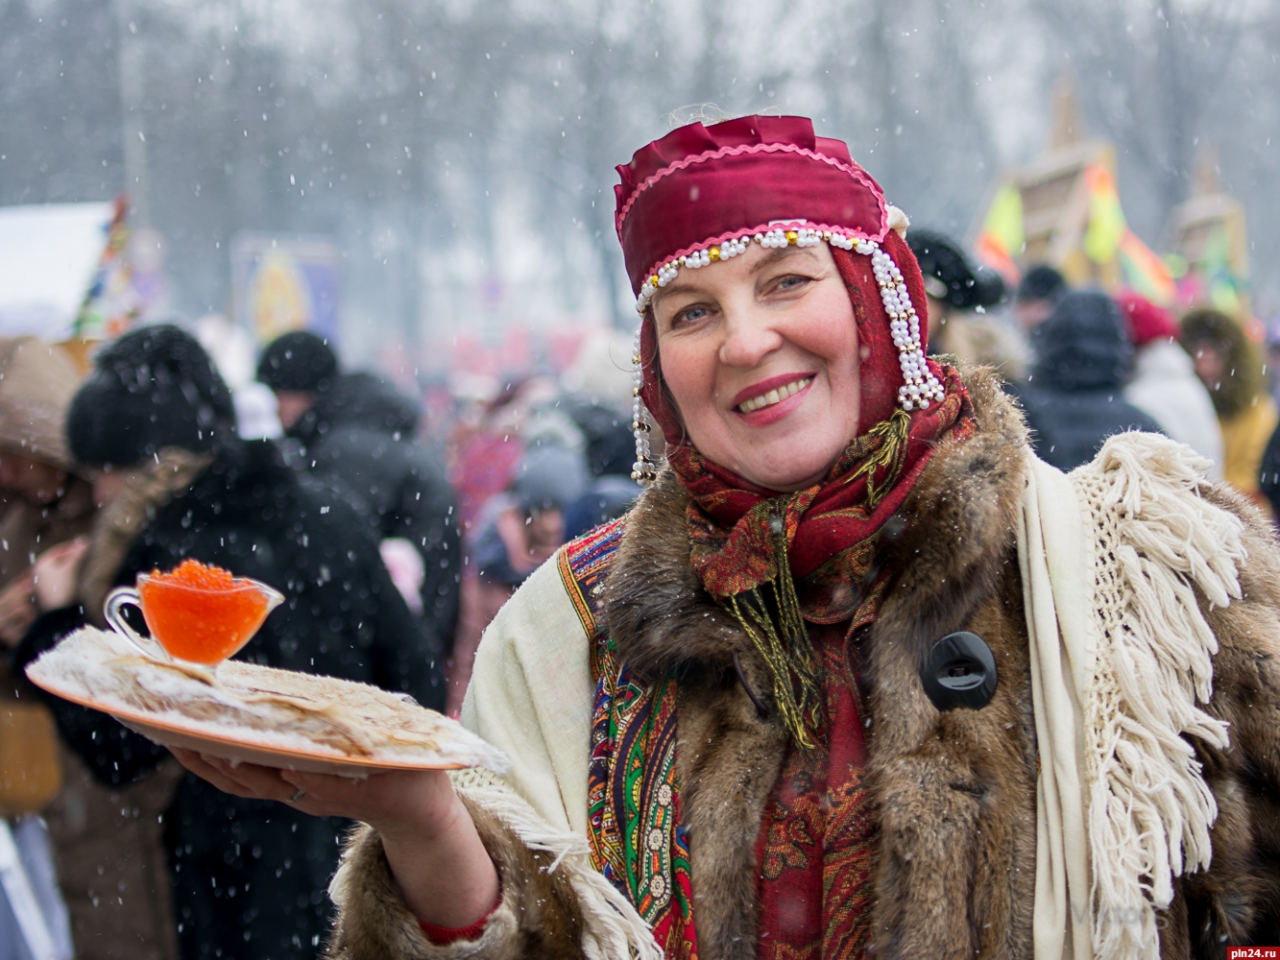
(954, 792)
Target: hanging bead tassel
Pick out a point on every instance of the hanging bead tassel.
(919, 387)
(644, 471)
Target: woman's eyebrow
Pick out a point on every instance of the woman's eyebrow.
(768, 260)
(780, 254)
(674, 287)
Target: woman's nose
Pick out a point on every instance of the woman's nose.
(749, 337)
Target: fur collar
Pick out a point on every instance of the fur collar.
(957, 526)
(120, 522)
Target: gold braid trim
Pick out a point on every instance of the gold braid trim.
(893, 435)
(784, 646)
(782, 638)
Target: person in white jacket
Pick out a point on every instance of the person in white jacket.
(1165, 385)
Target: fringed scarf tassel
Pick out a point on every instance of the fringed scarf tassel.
(784, 645)
(770, 612)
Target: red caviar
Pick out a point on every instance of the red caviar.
(199, 613)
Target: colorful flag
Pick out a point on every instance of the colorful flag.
(110, 305)
(1108, 236)
(1002, 237)
(1145, 272)
(1224, 286)
(1107, 224)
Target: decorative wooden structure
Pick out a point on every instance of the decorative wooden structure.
(1209, 234)
(1063, 209)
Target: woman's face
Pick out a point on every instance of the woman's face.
(1210, 363)
(761, 355)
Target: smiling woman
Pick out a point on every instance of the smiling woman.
(854, 673)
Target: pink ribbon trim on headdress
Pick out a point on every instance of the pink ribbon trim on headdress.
(859, 175)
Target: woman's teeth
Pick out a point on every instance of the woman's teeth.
(774, 396)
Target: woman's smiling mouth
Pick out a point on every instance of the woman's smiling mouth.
(774, 395)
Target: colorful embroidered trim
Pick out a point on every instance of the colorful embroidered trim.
(633, 799)
(633, 792)
(583, 565)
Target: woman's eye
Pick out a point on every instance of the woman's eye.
(690, 315)
(791, 283)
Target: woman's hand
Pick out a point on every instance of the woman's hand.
(445, 874)
(57, 573)
(17, 609)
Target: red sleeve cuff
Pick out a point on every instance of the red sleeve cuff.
(444, 936)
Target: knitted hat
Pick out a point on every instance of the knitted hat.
(950, 276)
(1083, 345)
(1146, 321)
(298, 361)
(151, 389)
(549, 477)
(1041, 282)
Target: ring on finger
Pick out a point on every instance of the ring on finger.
(297, 796)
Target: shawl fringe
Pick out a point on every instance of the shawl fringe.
(1158, 546)
(612, 930)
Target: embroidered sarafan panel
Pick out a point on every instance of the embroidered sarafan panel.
(633, 791)
(815, 844)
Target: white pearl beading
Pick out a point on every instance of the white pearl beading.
(769, 239)
(919, 387)
(644, 470)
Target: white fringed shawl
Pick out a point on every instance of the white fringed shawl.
(1111, 559)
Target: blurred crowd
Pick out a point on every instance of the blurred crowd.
(1086, 365)
(393, 549)
(396, 538)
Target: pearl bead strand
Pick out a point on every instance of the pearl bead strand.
(644, 470)
(919, 386)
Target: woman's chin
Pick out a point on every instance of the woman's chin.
(791, 459)
(785, 474)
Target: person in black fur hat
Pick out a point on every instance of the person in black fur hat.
(958, 293)
(153, 389)
(155, 422)
(299, 367)
(355, 433)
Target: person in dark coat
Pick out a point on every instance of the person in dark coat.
(155, 419)
(298, 367)
(1074, 398)
(356, 436)
(610, 454)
